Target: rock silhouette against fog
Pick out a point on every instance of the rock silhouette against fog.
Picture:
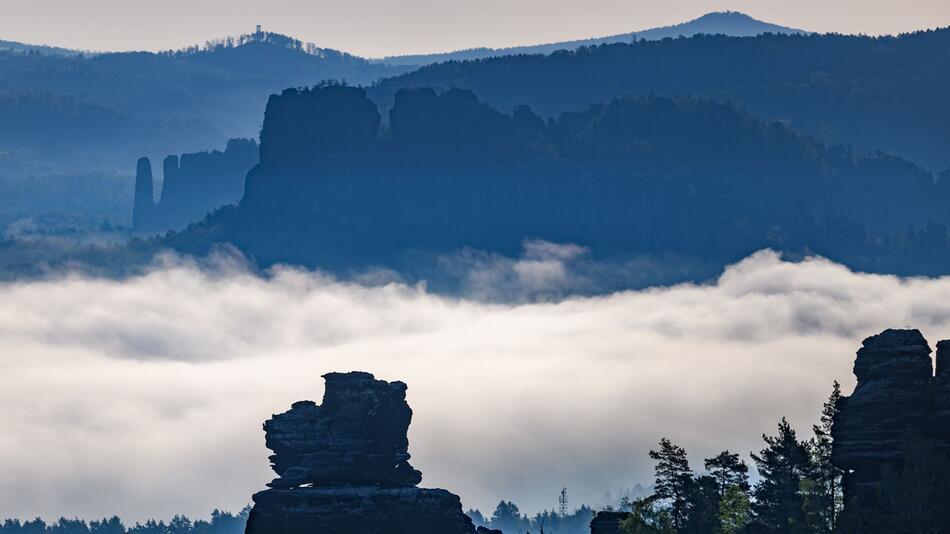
(608, 522)
(192, 186)
(897, 393)
(697, 178)
(343, 467)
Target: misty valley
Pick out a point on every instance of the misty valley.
(679, 280)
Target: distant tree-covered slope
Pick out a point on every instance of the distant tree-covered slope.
(638, 175)
(722, 22)
(14, 46)
(223, 85)
(872, 93)
(66, 117)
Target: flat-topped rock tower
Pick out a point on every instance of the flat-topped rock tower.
(343, 467)
(897, 394)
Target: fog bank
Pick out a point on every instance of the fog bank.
(145, 397)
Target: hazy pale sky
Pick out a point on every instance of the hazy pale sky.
(387, 27)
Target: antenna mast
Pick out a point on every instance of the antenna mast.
(562, 502)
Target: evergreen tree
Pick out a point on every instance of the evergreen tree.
(734, 510)
(704, 500)
(825, 495)
(674, 480)
(728, 470)
(68, 526)
(646, 518)
(508, 518)
(111, 525)
(783, 465)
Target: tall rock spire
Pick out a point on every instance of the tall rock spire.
(143, 205)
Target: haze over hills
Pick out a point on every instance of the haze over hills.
(731, 23)
(872, 93)
(14, 46)
(696, 181)
(72, 126)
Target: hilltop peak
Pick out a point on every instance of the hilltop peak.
(732, 23)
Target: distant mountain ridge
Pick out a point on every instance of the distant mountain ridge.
(731, 23)
(872, 93)
(14, 46)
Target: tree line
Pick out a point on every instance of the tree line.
(798, 491)
(219, 523)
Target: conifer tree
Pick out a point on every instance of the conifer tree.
(825, 496)
(783, 465)
(734, 510)
(728, 470)
(674, 480)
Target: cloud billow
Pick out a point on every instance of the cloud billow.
(144, 397)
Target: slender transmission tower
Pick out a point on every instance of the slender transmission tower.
(562, 502)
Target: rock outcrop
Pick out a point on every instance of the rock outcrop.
(192, 185)
(356, 437)
(143, 205)
(940, 416)
(343, 467)
(896, 394)
(607, 522)
(338, 187)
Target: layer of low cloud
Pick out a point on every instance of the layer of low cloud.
(145, 397)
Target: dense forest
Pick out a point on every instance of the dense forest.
(507, 517)
(868, 92)
(219, 523)
(638, 175)
(694, 179)
(717, 23)
(67, 117)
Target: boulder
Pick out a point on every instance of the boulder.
(343, 467)
(358, 510)
(357, 437)
(607, 522)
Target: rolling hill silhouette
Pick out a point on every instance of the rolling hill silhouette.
(873, 93)
(731, 23)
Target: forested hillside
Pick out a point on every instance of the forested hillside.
(640, 175)
(67, 117)
(871, 93)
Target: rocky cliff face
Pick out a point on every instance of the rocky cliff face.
(940, 416)
(143, 206)
(193, 185)
(338, 187)
(356, 437)
(607, 522)
(343, 467)
(897, 393)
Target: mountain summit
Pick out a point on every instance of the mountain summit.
(732, 23)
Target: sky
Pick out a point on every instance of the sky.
(385, 27)
(145, 397)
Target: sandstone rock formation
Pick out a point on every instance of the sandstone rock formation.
(940, 416)
(343, 467)
(192, 185)
(607, 522)
(896, 393)
(356, 437)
